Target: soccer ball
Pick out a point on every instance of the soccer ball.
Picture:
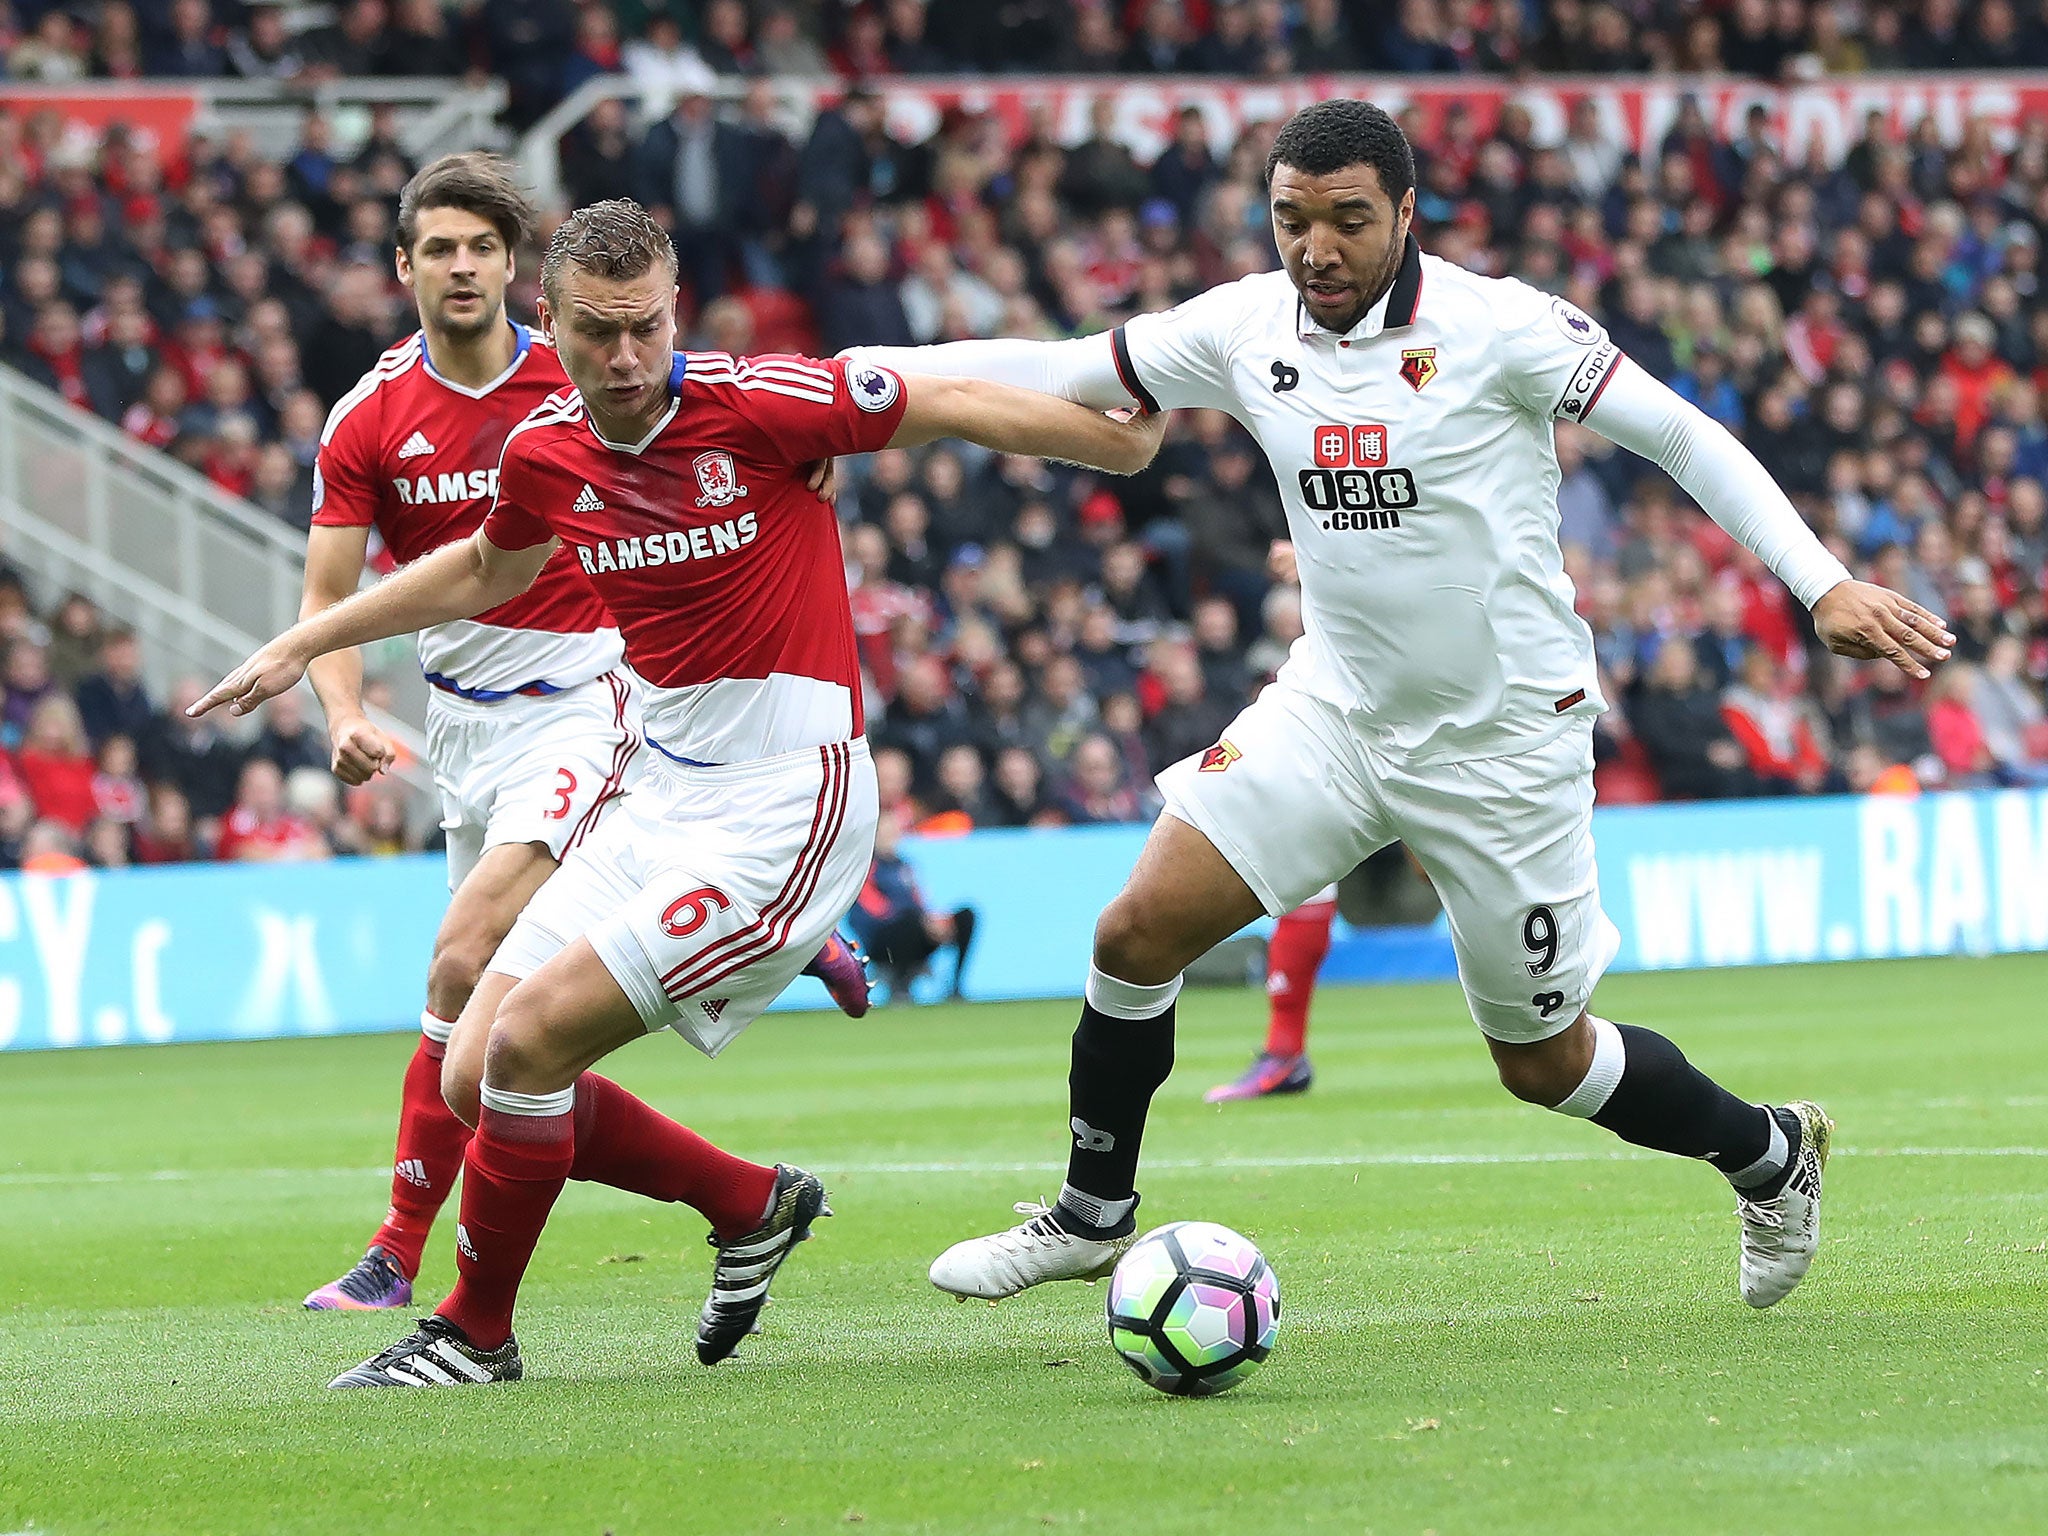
(1193, 1308)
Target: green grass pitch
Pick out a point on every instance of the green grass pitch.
(1494, 1322)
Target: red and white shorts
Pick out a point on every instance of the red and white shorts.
(532, 769)
(712, 887)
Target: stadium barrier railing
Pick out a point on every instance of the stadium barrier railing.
(258, 951)
(202, 577)
(435, 115)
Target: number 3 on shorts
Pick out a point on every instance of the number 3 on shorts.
(1539, 937)
(563, 790)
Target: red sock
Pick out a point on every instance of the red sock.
(429, 1156)
(1300, 940)
(628, 1144)
(515, 1167)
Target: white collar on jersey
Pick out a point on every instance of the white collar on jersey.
(522, 342)
(1395, 310)
(675, 389)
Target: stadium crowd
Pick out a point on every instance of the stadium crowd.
(544, 49)
(1040, 641)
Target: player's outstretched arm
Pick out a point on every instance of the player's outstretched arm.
(1013, 420)
(1852, 618)
(334, 568)
(457, 581)
(1082, 370)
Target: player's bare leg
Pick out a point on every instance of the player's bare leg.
(1301, 939)
(1182, 899)
(1638, 1085)
(431, 1140)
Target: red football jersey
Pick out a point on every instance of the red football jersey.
(722, 568)
(417, 457)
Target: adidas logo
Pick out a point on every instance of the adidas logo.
(587, 501)
(713, 1007)
(414, 1172)
(462, 1243)
(415, 445)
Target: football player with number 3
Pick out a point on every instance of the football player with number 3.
(677, 483)
(533, 728)
(1443, 694)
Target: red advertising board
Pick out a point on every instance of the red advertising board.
(1638, 112)
(158, 116)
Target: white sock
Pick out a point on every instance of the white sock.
(506, 1102)
(1610, 1059)
(1128, 1000)
(434, 1027)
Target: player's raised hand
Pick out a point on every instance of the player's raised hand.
(361, 751)
(822, 480)
(1280, 563)
(265, 675)
(1870, 623)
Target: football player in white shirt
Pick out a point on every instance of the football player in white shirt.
(1444, 692)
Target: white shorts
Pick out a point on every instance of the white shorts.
(532, 769)
(1298, 799)
(712, 887)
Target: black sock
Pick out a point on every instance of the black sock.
(1117, 1066)
(1667, 1104)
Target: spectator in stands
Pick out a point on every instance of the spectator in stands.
(192, 755)
(896, 928)
(1185, 719)
(859, 305)
(118, 793)
(50, 848)
(1098, 786)
(17, 813)
(74, 642)
(423, 42)
(108, 844)
(598, 156)
(166, 835)
(2010, 713)
(959, 801)
(923, 719)
(1780, 745)
(1678, 720)
(56, 764)
(264, 49)
(1954, 730)
(25, 684)
(288, 739)
(259, 826)
(112, 699)
(191, 46)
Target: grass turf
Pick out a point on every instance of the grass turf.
(1493, 1321)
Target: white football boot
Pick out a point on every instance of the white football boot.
(1779, 1235)
(1036, 1250)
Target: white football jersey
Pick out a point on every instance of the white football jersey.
(1415, 457)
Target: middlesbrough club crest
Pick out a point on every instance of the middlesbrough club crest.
(717, 479)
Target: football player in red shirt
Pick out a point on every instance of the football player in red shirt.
(676, 483)
(533, 727)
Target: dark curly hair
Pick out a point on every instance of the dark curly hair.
(476, 183)
(1330, 135)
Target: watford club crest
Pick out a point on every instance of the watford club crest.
(1219, 757)
(1418, 366)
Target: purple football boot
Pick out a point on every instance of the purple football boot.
(374, 1284)
(844, 970)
